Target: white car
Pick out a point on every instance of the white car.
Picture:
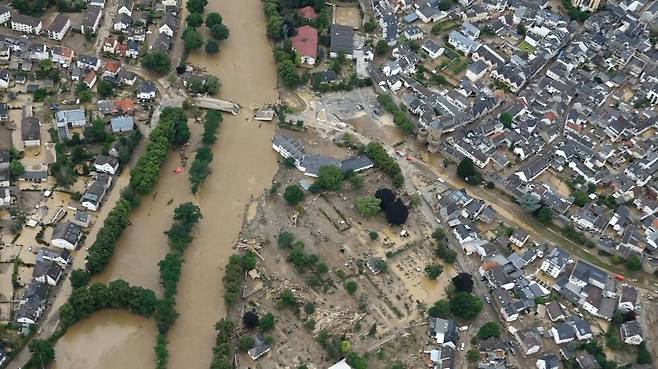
(462, 346)
(463, 328)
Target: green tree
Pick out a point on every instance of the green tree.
(330, 178)
(16, 169)
(634, 263)
(351, 287)
(157, 61)
(370, 26)
(466, 170)
(192, 39)
(580, 198)
(245, 343)
(381, 47)
(445, 5)
(466, 306)
(212, 47)
(529, 202)
(440, 309)
(490, 329)
(355, 361)
(82, 92)
(520, 29)
(80, 278)
(212, 19)
(196, 6)
(463, 282)
(105, 89)
(267, 322)
(194, 20)
(285, 239)
(368, 205)
(545, 215)
(219, 32)
(43, 351)
(643, 355)
(433, 271)
(288, 299)
(473, 355)
(506, 119)
(293, 195)
(187, 213)
(373, 235)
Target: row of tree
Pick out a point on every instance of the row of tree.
(382, 160)
(102, 249)
(400, 118)
(171, 130)
(116, 295)
(234, 276)
(186, 216)
(222, 353)
(201, 165)
(214, 22)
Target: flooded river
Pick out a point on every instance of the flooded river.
(243, 167)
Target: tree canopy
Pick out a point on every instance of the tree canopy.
(463, 282)
(465, 305)
(293, 195)
(367, 205)
(466, 170)
(157, 61)
(490, 329)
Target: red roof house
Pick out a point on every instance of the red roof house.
(308, 12)
(305, 44)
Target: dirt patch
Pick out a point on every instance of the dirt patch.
(348, 16)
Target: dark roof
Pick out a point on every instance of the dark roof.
(356, 164)
(58, 23)
(30, 129)
(67, 231)
(342, 39)
(25, 19)
(89, 20)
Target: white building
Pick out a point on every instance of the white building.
(58, 28)
(26, 24)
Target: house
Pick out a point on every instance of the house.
(563, 333)
(122, 22)
(260, 347)
(550, 361)
(111, 69)
(582, 328)
(471, 31)
(432, 49)
(106, 164)
(110, 45)
(476, 71)
(462, 43)
(308, 12)
(5, 16)
(91, 19)
(429, 14)
(122, 124)
(59, 26)
(33, 304)
(93, 196)
(168, 25)
(66, 236)
(60, 256)
(631, 332)
(442, 357)
(528, 340)
(519, 237)
(586, 360)
(305, 44)
(342, 41)
(74, 118)
(31, 132)
(584, 273)
(125, 7)
(125, 106)
(555, 262)
(38, 51)
(62, 55)
(628, 298)
(555, 311)
(85, 62)
(444, 331)
(47, 272)
(90, 79)
(5, 79)
(146, 90)
(82, 218)
(26, 24)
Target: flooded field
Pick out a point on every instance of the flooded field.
(107, 340)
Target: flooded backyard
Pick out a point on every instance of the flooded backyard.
(244, 164)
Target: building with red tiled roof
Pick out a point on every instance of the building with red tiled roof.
(305, 43)
(308, 12)
(90, 79)
(112, 68)
(125, 106)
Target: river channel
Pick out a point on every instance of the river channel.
(244, 164)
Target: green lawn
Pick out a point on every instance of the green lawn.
(527, 47)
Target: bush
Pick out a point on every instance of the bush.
(285, 239)
(367, 205)
(267, 322)
(373, 235)
(293, 195)
(351, 287)
(309, 308)
(634, 263)
(433, 271)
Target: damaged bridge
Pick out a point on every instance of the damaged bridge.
(217, 104)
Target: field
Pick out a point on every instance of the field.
(347, 16)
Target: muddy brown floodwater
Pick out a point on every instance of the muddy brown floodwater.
(244, 164)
